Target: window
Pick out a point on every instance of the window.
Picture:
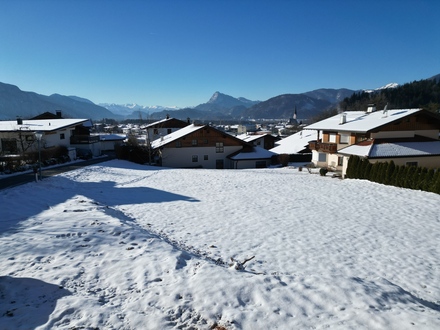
(62, 137)
(194, 142)
(178, 144)
(219, 147)
(412, 163)
(205, 157)
(195, 159)
(340, 160)
(344, 139)
(169, 131)
(332, 138)
(9, 146)
(155, 131)
(205, 141)
(322, 157)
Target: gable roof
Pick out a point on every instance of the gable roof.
(44, 125)
(167, 123)
(295, 143)
(362, 122)
(191, 128)
(253, 137)
(249, 138)
(175, 135)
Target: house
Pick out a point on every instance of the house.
(18, 137)
(202, 146)
(163, 127)
(109, 141)
(296, 146)
(264, 140)
(406, 136)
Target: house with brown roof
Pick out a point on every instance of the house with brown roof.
(406, 136)
(203, 146)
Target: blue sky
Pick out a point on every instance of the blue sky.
(178, 53)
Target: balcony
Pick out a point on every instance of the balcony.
(323, 146)
(84, 139)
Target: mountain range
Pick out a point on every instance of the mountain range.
(17, 103)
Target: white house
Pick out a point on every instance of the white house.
(108, 141)
(200, 147)
(406, 136)
(163, 127)
(18, 136)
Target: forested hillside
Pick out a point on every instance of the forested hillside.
(418, 94)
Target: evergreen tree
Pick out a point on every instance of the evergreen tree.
(383, 169)
(395, 176)
(435, 186)
(390, 172)
(410, 176)
(428, 180)
(374, 172)
(368, 167)
(423, 172)
(363, 169)
(349, 172)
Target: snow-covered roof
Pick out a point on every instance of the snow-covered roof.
(45, 125)
(394, 149)
(162, 121)
(174, 136)
(295, 142)
(360, 121)
(251, 137)
(112, 137)
(157, 122)
(256, 153)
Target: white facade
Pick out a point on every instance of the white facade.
(204, 157)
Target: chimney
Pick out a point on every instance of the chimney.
(343, 118)
(371, 108)
(385, 111)
(19, 121)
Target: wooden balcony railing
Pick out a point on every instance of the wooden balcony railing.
(323, 146)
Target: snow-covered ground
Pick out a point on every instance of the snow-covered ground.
(124, 246)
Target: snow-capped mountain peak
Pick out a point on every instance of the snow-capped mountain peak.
(387, 86)
(390, 85)
(127, 109)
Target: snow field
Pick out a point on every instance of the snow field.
(124, 246)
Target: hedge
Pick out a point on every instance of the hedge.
(411, 177)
